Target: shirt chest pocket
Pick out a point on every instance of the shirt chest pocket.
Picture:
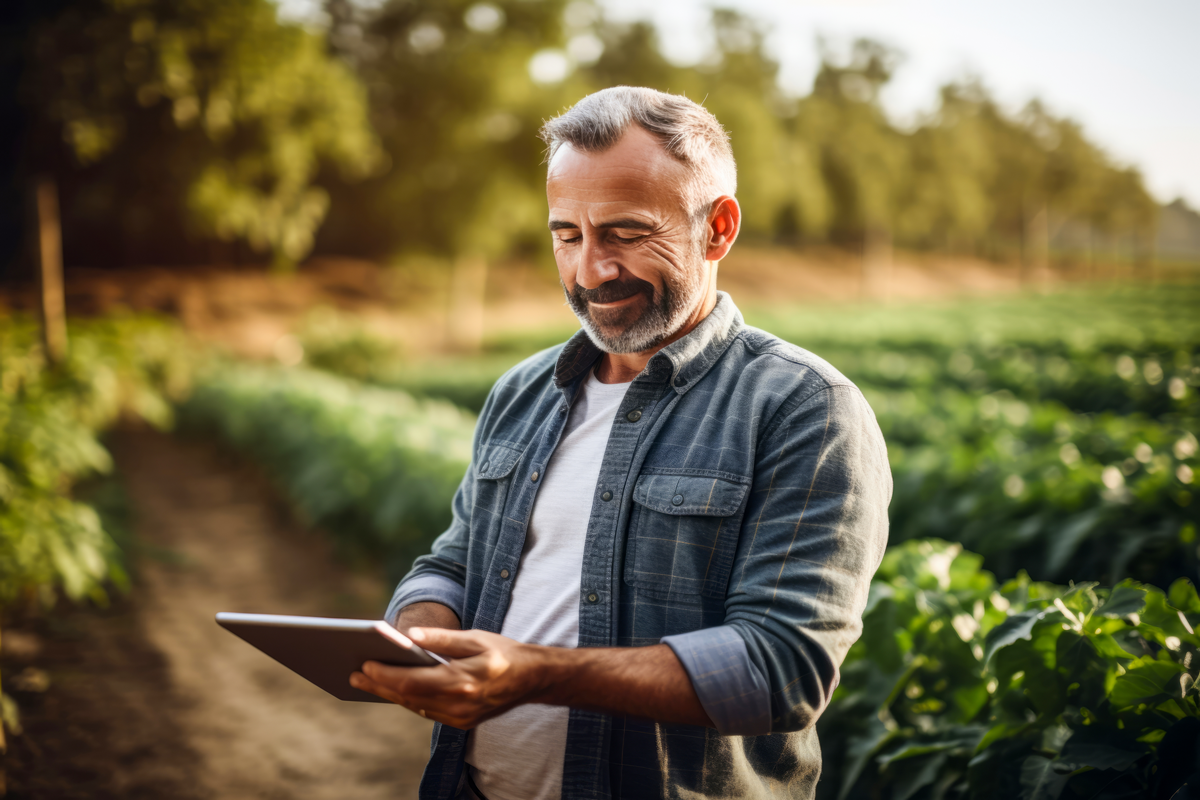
(496, 463)
(683, 535)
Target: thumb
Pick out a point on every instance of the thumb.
(446, 642)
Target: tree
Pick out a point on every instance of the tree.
(202, 117)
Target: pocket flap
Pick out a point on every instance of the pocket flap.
(686, 495)
(497, 460)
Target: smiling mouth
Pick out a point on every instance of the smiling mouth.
(612, 303)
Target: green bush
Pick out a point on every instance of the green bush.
(49, 422)
(1035, 486)
(1053, 433)
(374, 467)
(337, 343)
(960, 687)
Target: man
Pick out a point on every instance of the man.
(663, 544)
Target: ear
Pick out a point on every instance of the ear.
(724, 222)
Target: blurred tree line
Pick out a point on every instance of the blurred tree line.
(190, 131)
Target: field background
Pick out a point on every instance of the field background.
(303, 402)
(259, 271)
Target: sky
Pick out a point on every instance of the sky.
(1129, 72)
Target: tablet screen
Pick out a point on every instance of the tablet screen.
(325, 650)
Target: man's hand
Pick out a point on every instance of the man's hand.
(490, 674)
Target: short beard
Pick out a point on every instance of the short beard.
(663, 313)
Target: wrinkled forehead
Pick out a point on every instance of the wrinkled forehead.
(635, 171)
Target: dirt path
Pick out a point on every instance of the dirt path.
(206, 715)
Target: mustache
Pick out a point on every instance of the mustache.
(612, 291)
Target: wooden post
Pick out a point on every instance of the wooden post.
(51, 304)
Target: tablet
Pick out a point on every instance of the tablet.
(326, 651)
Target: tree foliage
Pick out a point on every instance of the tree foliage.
(212, 117)
(212, 109)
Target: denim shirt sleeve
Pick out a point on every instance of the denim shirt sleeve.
(814, 532)
(428, 588)
(730, 687)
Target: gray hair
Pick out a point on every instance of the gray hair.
(687, 130)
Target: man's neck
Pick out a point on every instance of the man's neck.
(624, 367)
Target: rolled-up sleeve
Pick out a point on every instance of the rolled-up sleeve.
(427, 588)
(813, 534)
(730, 687)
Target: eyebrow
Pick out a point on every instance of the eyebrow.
(627, 224)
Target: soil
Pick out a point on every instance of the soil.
(151, 699)
(247, 310)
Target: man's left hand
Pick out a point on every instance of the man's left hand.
(488, 675)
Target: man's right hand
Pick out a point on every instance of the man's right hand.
(427, 615)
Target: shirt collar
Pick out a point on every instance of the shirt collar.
(681, 363)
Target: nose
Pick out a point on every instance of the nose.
(597, 264)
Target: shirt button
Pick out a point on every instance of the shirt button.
(504, 574)
(677, 500)
(680, 381)
(606, 496)
(634, 416)
(534, 477)
(593, 598)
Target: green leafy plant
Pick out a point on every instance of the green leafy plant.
(52, 544)
(374, 467)
(962, 687)
(49, 423)
(337, 343)
(1055, 434)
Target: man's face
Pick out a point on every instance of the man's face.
(630, 260)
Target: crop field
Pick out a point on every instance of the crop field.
(1043, 449)
(1054, 434)
(1031, 631)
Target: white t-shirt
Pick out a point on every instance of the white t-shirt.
(519, 754)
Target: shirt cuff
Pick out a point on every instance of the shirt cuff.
(427, 589)
(730, 687)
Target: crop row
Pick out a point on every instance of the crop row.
(962, 687)
(1068, 449)
(1067, 496)
(374, 467)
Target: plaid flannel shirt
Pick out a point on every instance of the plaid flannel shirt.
(739, 515)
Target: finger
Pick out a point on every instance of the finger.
(444, 642)
(363, 683)
(454, 714)
(420, 682)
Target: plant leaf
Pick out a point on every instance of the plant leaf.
(1039, 781)
(1144, 680)
(913, 780)
(1182, 595)
(1018, 626)
(860, 749)
(1101, 748)
(1124, 599)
